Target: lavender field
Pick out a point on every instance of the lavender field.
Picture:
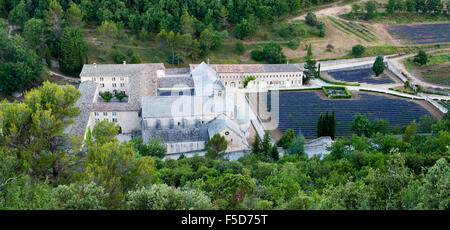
(421, 33)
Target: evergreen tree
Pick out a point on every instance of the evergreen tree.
(421, 57)
(48, 58)
(73, 50)
(320, 126)
(274, 155)
(378, 66)
(266, 145)
(256, 145)
(333, 125)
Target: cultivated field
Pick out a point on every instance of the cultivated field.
(421, 33)
(299, 110)
(365, 75)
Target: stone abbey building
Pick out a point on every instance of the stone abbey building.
(183, 106)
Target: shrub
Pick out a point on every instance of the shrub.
(240, 48)
(107, 96)
(247, 80)
(257, 55)
(421, 58)
(118, 57)
(120, 95)
(293, 44)
(358, 50)
(311, 19)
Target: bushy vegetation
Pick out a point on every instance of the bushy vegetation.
(384, 172)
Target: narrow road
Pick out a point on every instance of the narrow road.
(398, 63)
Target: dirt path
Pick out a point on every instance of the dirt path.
(333, 10)
(54, 74)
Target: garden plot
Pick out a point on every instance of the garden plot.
(421, 33)
(299, 110)
(360, 75)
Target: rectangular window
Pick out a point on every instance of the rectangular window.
(122, 84)
(114, 114)
(114, 85)
(113, 79)
(96, 114)
(101, 79)
(114, 120)
(97, 120)
(121, 78)
(105, 113)
(106, 119)
(102, 85)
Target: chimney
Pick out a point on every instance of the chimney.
(208, 61)
(124, 62)
(287, 62)
(95, 65)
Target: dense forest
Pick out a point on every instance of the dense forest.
(43, 167)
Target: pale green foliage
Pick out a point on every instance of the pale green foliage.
(74, 16)
(108, 33)
(78, 197)
(33, 31)
(431, 192)
(118, 169)
(105, 131)
(163, 197)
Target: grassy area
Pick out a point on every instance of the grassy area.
(433, 59)
(402, 89)
(437, 76)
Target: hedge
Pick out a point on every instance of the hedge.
(348, 94)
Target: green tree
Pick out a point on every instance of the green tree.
(378, 65)
(78, 197)
(410, 131)
(311, 19)
(266, 146)
(310, 71)
(74, 16)
(297, 146)
(107, 96)
(186, 23)
(243, 29)
(35, 130)
(19, 14)
(371, 9)
(108, 32)
(421, 57)
(215, 147)
(156, 147)
(48, 58)
(73, 50)
(286, 139)
(273, 53)
(358, 50)
(105, 131)
(206, 40)
(256, 145)
(360, 125)
(120, 95)
(33, 31)
(118, 169)
(430, 192)
(239, 47)
(54, 18)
